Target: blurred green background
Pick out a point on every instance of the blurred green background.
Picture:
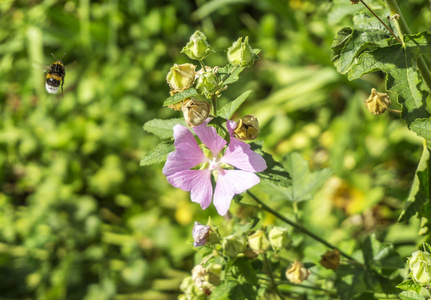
(79, 219)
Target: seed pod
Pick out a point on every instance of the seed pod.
(331, 259)
(195, 111)
(240, 54)
(197, 48)
(248, 128)
(279, 238)
(258, 241)
(297, 273)
(377, 103)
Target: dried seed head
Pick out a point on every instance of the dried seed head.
(247, 129)
(195, 111)
(377, 103)
(297, 273)
(331, 259)
(354, 1)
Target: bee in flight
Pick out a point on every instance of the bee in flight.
(55, 76)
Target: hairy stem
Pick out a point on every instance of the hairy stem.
(403, 29)
(298, 226)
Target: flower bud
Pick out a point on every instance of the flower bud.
(197, 48)
(420, 267)
(377, 103)
(181, 77)
(199, 274)
(247, 128)
(191, 291)
(279, 238)
(258, 241)
(214, 273)
(206, 82)
(200, 234)
(297, 273)
(240, 54)
(233, 245)
(331, 259)
(195, 111)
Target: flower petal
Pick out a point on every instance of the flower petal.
(231, 125)
(230, 183)
(239, 155)
(208, 135)
(198, 182)
(187, 155)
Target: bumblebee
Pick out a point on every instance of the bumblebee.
(55, 76)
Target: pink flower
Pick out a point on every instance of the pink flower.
(233, 171)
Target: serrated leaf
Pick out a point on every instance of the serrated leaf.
(229, 109)
(410, 295)
(418, 201)
(246, 269)
(226, 70)
(381, 257)
(304, 183)
(191, 92)
(368, 34)
(244, 291)
(274, 173)
(409, 285)
(402, 76)
(222, 291)
(163, 128)
(158, 154)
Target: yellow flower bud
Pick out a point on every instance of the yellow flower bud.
(377, 103)
(195, 111)
(247, 129)
(241, 54)
(197, 48)
(331, 259)
(279, 238)
(297, 273)
(181, 77)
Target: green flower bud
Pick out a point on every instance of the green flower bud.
(181, 77)
(191, 291)
(241, 54)
(247, 128)
(420, 267)
(197, 48)
(258, 241)
(233, 245)
(279, 238)
(214, 272)
(207, 81)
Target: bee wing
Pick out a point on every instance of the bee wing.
(43, 68)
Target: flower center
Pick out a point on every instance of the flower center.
(214, 163)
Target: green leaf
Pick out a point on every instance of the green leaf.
(223, 72)
(409, 285)
(427, 247)
(191, 92)
(410, 295)
(246, 269)
(380, 257)
(274, 173)
(222, 291)
(163, 128)
(368, 34)
(402, 75)
(350, 281)
(418, 201)
(229, 109)
(423, 128)
(158, 154)
(222, 131)
(304, 183)
(244, 291)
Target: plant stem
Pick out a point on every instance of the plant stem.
(271, 276)
(384, 24)
(298, 226)
(394, 110)
(201, 61)
(403, 29)
(225, 78)
(214, 103)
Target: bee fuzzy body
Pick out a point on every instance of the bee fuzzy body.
(55, 77)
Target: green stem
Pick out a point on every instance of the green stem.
(298, 226)
(403, 29)
(214, 103)
(201, 61)
(271, 276)
(331, 293)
